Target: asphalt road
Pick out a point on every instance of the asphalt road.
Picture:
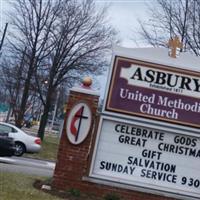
(27, 166)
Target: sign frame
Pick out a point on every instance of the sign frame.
(138, 116)
(142, 187)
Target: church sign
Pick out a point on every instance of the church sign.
(137, 155)
(153, 91)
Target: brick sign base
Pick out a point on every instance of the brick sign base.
(73, 161)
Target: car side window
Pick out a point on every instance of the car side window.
(14, 130)
(5, 129)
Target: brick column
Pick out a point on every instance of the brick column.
(72, 160)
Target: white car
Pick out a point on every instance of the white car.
(23, 141)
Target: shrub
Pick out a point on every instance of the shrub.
(111, 197)
(74, 192)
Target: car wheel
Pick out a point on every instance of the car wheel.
(19, 149)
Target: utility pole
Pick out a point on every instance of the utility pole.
(4, 33)
(1, 44)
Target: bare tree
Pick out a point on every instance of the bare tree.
(173, 18)
(54, 43)
(81, 38)
(12, 80)
(31, 22)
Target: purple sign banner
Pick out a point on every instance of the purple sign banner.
(153, 91)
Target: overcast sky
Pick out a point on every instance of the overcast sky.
(123, 15)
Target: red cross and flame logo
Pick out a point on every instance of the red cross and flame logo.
(79, 122)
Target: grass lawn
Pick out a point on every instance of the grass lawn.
(20, 187)
(14, 186)
(49, 149)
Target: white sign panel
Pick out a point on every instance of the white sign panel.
(142, 156)
(139, 75)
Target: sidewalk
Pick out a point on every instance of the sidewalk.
(25, 161)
